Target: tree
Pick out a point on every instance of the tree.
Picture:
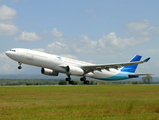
(147, 79)
(76, 82)
(62, 82)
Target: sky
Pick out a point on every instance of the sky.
(96, 31)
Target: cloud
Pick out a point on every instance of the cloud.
(70, 56)
(57, 47)
(28, 36)
(7, 29)
(142, 28)
(7, 65)
(153, 29)
(7, 13)
(111, 41)
(40, 50)
(150, 51)
(138, 25)
(56, 33)
(107, 44)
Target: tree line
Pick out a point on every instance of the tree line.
(14, 82)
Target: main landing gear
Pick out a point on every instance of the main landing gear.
(85, 81)
(69, 80)
(72, 82)
(19, 67)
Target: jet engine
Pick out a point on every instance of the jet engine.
(49, 72)
(73, 70)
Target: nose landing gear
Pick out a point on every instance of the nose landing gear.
(19, 67)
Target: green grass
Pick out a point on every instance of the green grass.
(109, 102)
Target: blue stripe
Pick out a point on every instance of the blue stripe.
(119, 76)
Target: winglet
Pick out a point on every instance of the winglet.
(146, 60)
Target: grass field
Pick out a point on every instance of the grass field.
(109, 102)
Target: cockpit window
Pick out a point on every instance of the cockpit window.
(13, 50)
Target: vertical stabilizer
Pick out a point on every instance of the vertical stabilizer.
(132, 68)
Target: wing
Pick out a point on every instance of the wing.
(99, 67)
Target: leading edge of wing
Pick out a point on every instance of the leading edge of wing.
(115, 65)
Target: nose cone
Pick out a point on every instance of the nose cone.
(7, 53)
(12, 54)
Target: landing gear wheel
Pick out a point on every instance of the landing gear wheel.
(20, 67)
(86, 82)
(83, 79)
(71, 82)
(68, 79)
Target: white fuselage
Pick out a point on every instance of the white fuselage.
(57, 63)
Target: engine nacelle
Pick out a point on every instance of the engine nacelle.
(73, 70)
(50, 72)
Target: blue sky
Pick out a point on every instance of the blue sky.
(94, 31)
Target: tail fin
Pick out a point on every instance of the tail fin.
(132, 68)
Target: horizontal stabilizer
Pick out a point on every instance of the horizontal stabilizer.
(137, 75)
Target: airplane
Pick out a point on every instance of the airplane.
(52, 65)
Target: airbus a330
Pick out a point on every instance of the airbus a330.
(54, 64)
